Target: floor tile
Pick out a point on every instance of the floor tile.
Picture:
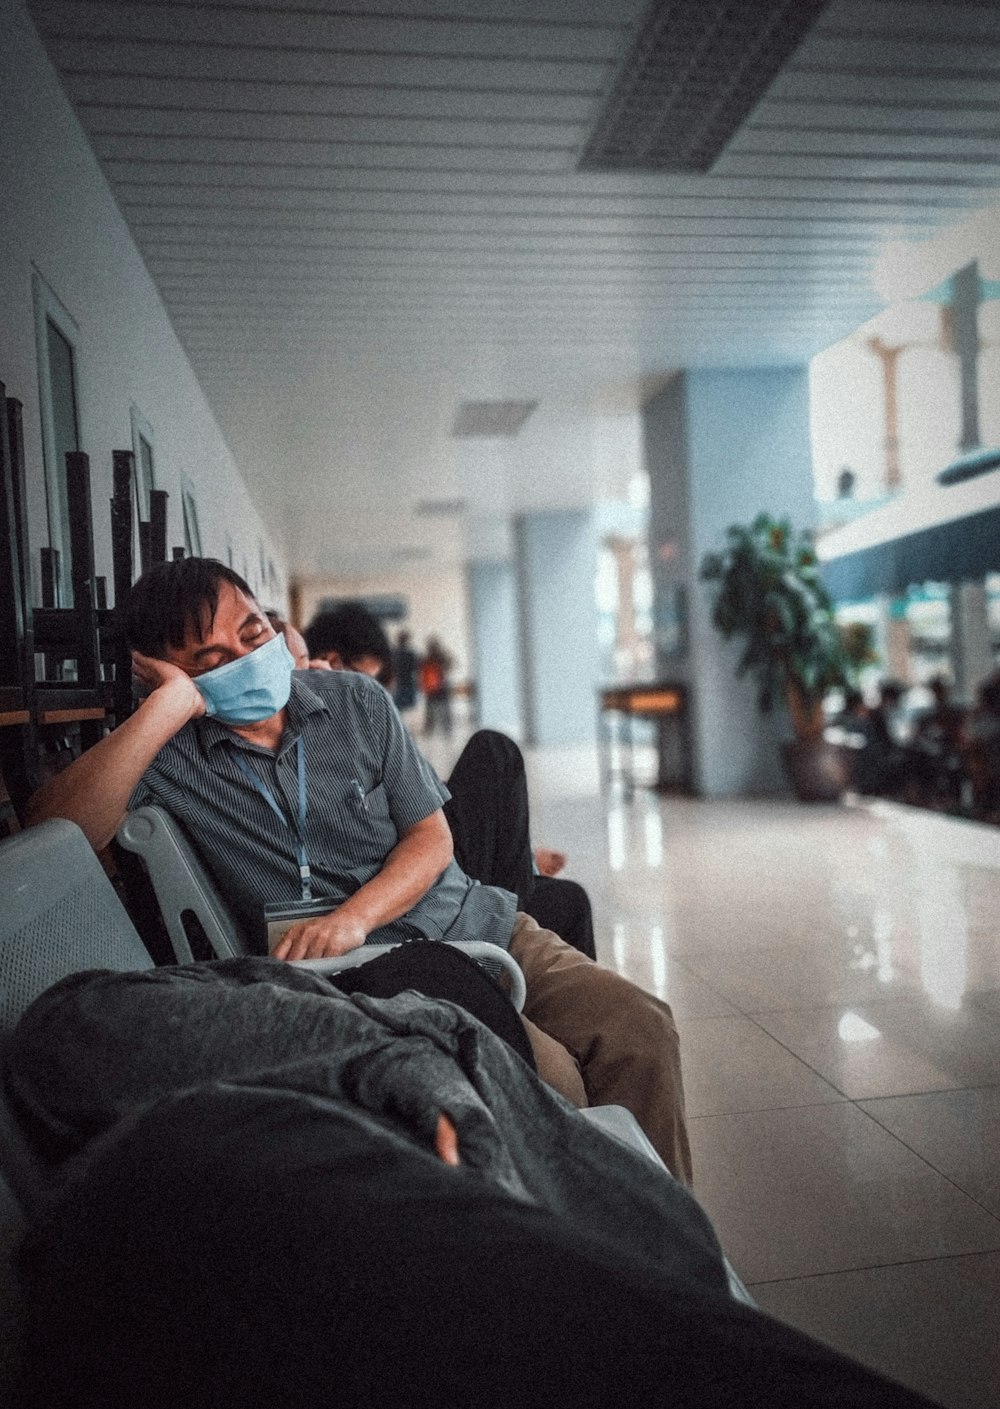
(980, 963)
(986, 1002)
(932, 1325)
(958, 1132)
(866, 940)
(844, 971)
(638, 952)
(731, 1065)
(893, 1049)
(824, 1188)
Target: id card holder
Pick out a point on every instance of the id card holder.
(280, 917)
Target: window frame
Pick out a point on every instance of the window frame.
(190, 521)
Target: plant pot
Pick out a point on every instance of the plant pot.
(819, 772)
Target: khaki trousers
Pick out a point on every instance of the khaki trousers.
(614, 1043)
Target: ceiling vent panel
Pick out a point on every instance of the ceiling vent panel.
(697, 69)
(491, 418)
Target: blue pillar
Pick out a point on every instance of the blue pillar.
(556, 560)
(721, 446)
(496, 660)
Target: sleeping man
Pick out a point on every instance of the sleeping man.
(290, 1197)
(323, 827)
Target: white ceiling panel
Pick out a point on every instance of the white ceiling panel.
(295, 156)
(871, 119)
(226, 61)
(862, 83)
(315, 32)
(324, 130)
(361, 214)
(575, 12)
(133, 93)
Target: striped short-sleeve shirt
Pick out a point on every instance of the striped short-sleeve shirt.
(366, 783)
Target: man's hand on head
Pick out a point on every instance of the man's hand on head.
(163, 675)
(322, 937)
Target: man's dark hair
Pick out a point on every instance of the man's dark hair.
(173, 598)
(352, 631)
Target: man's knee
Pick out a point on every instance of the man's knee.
(628, 1017)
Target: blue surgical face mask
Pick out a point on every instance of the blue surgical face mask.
(249, 689)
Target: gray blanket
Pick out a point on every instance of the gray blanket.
(98, 1047)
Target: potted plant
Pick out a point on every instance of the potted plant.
(770, 592)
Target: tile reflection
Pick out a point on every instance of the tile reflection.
(658, 960)
(652, 826)
(943, 928)
(883, 927)
(618, 948)
(616, 838)
(853, 1028)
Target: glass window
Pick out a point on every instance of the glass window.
(57, 339)
(143, 472)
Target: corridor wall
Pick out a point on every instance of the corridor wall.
(58, 220)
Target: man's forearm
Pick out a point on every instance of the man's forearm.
(407, 874)
(94, 791)
(410, 869)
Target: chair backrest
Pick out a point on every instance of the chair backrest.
(181, 883)
(60, 915)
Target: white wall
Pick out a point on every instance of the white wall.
(436, 598)
(556, 563)
(57, 215)
(492, 591)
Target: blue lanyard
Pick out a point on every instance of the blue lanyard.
(305, 875)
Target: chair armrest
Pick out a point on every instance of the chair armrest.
(180, 883)
(486, 954)
(622, 1124)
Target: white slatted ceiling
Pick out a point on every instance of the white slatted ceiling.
(386, 175)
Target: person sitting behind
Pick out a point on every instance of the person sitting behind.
(305, 794)
(296, 643)
(936, 750)
(405, 667)
(350, 637)
(980, 744)
(488, 809)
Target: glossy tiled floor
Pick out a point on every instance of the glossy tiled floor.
(835, 973)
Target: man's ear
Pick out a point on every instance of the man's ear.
(333, 659)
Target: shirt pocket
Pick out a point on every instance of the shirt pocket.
(371, 806)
